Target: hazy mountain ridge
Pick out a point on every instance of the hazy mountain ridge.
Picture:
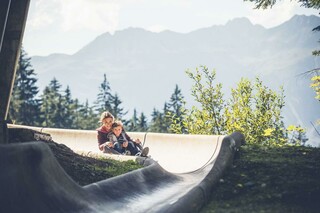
(143, 67)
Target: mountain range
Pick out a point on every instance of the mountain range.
(143, 67)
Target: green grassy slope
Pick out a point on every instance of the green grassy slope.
(285, 179)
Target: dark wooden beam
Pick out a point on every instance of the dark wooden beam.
(13, 15)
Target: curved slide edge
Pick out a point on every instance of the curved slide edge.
(200, 195)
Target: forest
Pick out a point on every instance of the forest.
(253, 108)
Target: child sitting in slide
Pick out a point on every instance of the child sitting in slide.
(123, 143)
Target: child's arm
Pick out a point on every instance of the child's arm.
(128, 138)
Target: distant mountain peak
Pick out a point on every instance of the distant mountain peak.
(130, 30)
(239, 22)
(302, 20)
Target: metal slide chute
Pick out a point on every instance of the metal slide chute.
(35, 182)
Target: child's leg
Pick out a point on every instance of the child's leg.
(132, 148)
(143, 151)
(110, 150)
(139, 146)
(118, 147)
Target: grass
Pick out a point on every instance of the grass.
(262, 179)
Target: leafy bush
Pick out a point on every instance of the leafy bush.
(253, 109)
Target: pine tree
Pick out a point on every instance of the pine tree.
(116, 110)
(68, 109)
(166, 119)
(45, 106)
(156, 120)
(52, 106)
(175, 108)
(77, 108)
(142, 123)
(132, 124)
(176, 102)
(88, 117)
(103, 102)
(24, 106)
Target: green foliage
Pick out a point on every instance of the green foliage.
(24, 106)
(316, 52)
(52, 107)
(160, 121)
(137, 124)
(238, 113)
(104, 97)
(156, 121)
(87, 117)
(106, 101)
(253, 109)
(172, 115)
(296, 135)
(209, 119)
(315, 85)
(142, 123)
(68, 109)
(211, 98)
(174, 110)
(132, 124)
(116, 109)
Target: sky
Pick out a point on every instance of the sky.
(65, 26)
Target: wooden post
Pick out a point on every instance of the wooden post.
(13, 16)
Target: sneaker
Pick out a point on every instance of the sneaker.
(138, 154)
(145, 152)
(127, 152)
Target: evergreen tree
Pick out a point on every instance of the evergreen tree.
(166, 119)
(175, 108)
(88, 117)
(24, 106)
(156, 121)
(142, 123)
(77, 108)
(159, 121)
(52, 106)
(132, 124)
(104, 99)
(176, 102)
(45, 106)
(68, 109)
(116, 110)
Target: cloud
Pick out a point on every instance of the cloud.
(70, 15)
(42, 13)
(93, 15)
(279, 13)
